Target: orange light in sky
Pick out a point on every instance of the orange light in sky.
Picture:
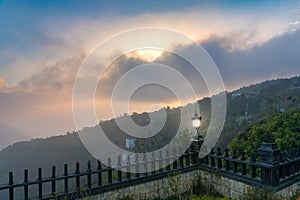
(148, 55)
(1, 81)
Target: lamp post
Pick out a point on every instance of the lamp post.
(197, 139)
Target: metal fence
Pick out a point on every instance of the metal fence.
(274, 170)
(89, 181)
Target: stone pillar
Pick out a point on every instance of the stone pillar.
(269, 158)
(195, 146)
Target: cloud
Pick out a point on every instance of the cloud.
(56, 76)
(278, 57)
(41, 104)
(151, 93)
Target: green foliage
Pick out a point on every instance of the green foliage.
(284, 127)
(125, 198)
(261, 194)
(173, 182)
(195, 197)
(53, 196)
(296, 196)
(203, 187)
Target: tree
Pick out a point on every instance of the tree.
(284, 127)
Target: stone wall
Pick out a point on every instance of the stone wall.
(289, 191)
(239, 190)
(161, 188)
(181, 183)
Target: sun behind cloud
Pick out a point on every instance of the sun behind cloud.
(148, 55)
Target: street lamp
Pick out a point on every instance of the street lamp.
(197, 138)
(196, 120)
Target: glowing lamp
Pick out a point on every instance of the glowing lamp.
(196, 120)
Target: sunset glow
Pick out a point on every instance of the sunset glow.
(146, 54)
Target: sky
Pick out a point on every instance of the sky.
(43, 44)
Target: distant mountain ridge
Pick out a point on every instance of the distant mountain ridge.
(9, 136)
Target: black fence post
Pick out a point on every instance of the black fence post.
(40, 183)
(287, 170)
(219, 160)
(109, 172)
(206, 161)
(11, 184)
(66, 181)
(234, 163)
(175, 161)
(77, 172)
(119, 169)
(137, 166)
(212, 158)
(292, 169)
(243, 165)
(269, 158)
(99, 172)
(160, 162)
(253, 167)
(153, 163)
(128, 163)
(282, 168)
(89, 177)
(181, 163)
(168, 163)
(53, 181)
(195, 157)
(187, 158)
(298, 163)
(227, 166)
(145, 161)
(26, 186)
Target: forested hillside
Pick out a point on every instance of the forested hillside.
(283, 127)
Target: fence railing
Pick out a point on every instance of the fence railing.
(89, 181)
(274, 170)
(257, 173)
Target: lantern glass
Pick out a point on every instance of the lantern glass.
(196, 123)
(196, 120)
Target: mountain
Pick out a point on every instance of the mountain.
(246, 106)
(10, 135)
(45, 153)
(252, 104)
